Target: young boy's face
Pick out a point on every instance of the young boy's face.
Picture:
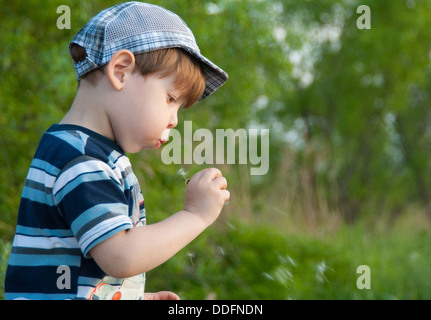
(147, 107)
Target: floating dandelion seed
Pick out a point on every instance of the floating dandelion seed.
(183, 173)
(321, 268)
(292, 261)
(221, 250)
(283, 276)
(268, 276)
(191, 256)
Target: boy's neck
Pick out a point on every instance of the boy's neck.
(88, 111)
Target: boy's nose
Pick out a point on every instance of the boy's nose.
(173, 122)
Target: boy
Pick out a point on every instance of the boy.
(81, 230)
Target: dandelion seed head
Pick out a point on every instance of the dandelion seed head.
(182, 172)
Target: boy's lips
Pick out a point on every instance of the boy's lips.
(165, 135)
(160, 142)
(164, 138)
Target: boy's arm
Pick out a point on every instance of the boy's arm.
(141, 249)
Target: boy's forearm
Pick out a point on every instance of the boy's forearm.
(141, 249)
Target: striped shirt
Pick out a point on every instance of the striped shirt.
(80, 190)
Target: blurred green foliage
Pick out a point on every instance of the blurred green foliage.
(348, 113)
(257, 262)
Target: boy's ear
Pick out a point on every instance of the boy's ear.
(122, 63)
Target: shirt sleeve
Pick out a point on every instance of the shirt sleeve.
(91, 199)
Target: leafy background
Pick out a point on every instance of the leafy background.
(348, 113)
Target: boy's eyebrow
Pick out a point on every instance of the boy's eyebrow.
(178, 97)
(181, 100)
(176, 93)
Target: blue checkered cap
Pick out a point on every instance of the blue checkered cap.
(140, 27)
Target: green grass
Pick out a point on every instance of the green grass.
(4, 256)
(257, 262)
(239, 260)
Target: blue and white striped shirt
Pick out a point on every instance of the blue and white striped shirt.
(79, 191)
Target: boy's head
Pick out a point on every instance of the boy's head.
(160, 41)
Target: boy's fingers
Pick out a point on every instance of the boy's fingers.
(161, 295)
(210, 173)
(221, 182)
(226, 195)
(214, 173)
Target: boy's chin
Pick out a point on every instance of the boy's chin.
(136, 149)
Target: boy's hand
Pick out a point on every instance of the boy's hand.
(138, 250)
(161, 295)
(206, 194)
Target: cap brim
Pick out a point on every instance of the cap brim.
(215, 77)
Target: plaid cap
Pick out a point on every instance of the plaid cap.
(140, 27)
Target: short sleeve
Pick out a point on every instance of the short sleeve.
(91, 199)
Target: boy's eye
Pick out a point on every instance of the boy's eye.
(171, 99)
